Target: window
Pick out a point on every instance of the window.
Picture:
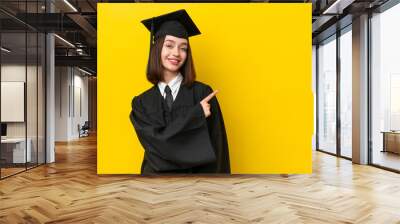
(385, 88)
(327, 95)
(346, 93)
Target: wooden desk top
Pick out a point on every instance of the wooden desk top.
(13, 140)
(391, 132)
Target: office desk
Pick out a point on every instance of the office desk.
(391, 141)
(15, 148)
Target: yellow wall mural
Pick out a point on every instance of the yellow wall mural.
(257, 55)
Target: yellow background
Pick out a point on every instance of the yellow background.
(258, 55)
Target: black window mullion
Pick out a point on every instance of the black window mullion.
(369, 90)
(338, 91)
(317, 96)
(26, 87)
(37, 91)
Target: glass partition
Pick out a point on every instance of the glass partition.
(22, 77)
(327, 95)
(14, 154)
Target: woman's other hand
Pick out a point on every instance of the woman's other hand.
(206, 106)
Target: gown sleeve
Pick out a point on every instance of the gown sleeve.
(182, 143)
(218, 135)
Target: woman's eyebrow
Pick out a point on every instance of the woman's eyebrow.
(170, 41)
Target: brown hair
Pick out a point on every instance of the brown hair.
(155, 68)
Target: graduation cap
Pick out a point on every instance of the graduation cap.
(177, 24)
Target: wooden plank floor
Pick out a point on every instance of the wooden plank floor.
(69, 191)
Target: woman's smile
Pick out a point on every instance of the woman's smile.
(173, 61)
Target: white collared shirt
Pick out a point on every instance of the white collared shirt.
(174, 85)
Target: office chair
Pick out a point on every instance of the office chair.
(84, 130)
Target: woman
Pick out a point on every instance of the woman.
(178, 121)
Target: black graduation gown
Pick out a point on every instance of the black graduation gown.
(180, 140)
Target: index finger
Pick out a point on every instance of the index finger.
(208, 98)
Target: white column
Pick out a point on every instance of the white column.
(360, 90)
(50, 100)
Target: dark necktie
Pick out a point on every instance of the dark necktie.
(168, 97)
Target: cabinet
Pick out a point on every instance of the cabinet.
(391, 141)
(13, 150)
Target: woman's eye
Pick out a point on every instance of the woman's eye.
(169, 46)
(184, 49)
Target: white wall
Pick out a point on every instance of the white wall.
(81, 102)
(71, 94)
(61, 103)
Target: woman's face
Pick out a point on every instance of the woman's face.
(174, 53)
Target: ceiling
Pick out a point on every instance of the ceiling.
(72, 20)
(329, 16)
(76, 22)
